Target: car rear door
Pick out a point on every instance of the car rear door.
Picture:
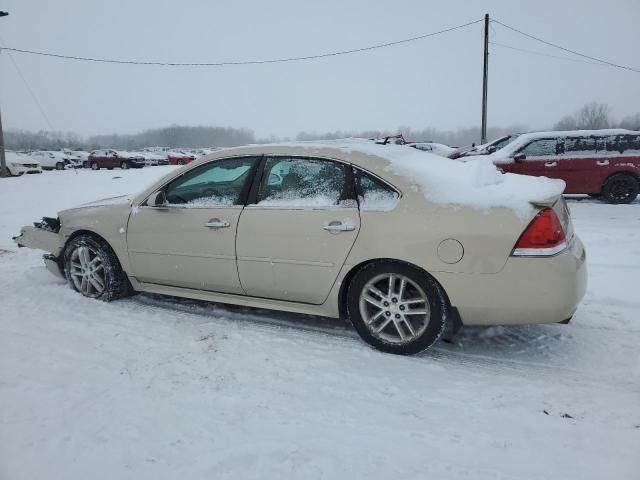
(580, 166)
(190, 241)
(295, 235)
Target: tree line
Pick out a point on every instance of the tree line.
(591, 116)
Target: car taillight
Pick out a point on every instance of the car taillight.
(543, 237)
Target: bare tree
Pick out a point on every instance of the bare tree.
(591, 116)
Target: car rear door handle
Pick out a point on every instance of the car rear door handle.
(217, 223)
(339, 227)
(550, 164)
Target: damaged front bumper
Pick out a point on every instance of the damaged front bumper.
(43, 235)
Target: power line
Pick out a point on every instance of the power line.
(611, 64)
(33, 95)
(242, 62)
(547, 55)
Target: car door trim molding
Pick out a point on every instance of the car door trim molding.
(284, 261)
(180, 254)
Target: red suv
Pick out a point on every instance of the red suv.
(113, 158)
(601, 163)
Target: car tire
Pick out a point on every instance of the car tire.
(59, 166)
(124, 165)
(620, 188)
(405, 319)
(95, 166)
(85, 164)
(93, 270)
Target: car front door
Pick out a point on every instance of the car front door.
(295, 237)
(190, 240)
(540, 159)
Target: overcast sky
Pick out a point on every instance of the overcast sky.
(435, 82)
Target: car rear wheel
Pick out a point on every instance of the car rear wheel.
(620, 188)
(93, 270)
(95, 166)
(124, 165)
(59, 166)
(396, 307)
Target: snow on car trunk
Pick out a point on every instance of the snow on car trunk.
(478, 184)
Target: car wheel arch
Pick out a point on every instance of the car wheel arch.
(347, 279)
(97, 236)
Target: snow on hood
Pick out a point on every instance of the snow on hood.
(121, 200)
(478, 184)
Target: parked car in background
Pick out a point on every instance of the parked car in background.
(79, 157)
(336, 230)
(390, 140)
(432, 147)
(485, 148)
(19, 164)
(114, 158)
(601, 163)
(178, 157)
(153, 158)
(51, 159)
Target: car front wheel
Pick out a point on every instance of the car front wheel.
(95, 166)
(124, 165)
(93, 270)
(59, 166)
(397, 308)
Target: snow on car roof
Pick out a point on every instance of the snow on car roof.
(442, 181)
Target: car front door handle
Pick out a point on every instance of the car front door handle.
(551, 164)
(339, 227)
(217, 223)
(602, 163)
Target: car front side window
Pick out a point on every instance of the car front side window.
(302, 182)
(222, 183)
(543, 147)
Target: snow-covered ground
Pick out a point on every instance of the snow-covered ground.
(159, 388)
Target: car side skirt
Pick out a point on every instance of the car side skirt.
(242, 300)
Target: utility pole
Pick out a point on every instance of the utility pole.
(4, 172)
(485, 77)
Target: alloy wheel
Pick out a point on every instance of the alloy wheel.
(394, 308)
(87, 271)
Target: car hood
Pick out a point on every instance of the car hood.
(105, 202)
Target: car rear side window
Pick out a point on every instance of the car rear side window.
(374, 194)
(221, 183)
(303, 182)
(576, 146)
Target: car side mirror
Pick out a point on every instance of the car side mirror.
(157, 199)
(518, 157)
(491, 149)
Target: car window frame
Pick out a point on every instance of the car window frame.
(349, 189)
(244, 194)
(381, 180)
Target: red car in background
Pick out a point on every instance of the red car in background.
(600, 163)
(113, 158)
(177, 157)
